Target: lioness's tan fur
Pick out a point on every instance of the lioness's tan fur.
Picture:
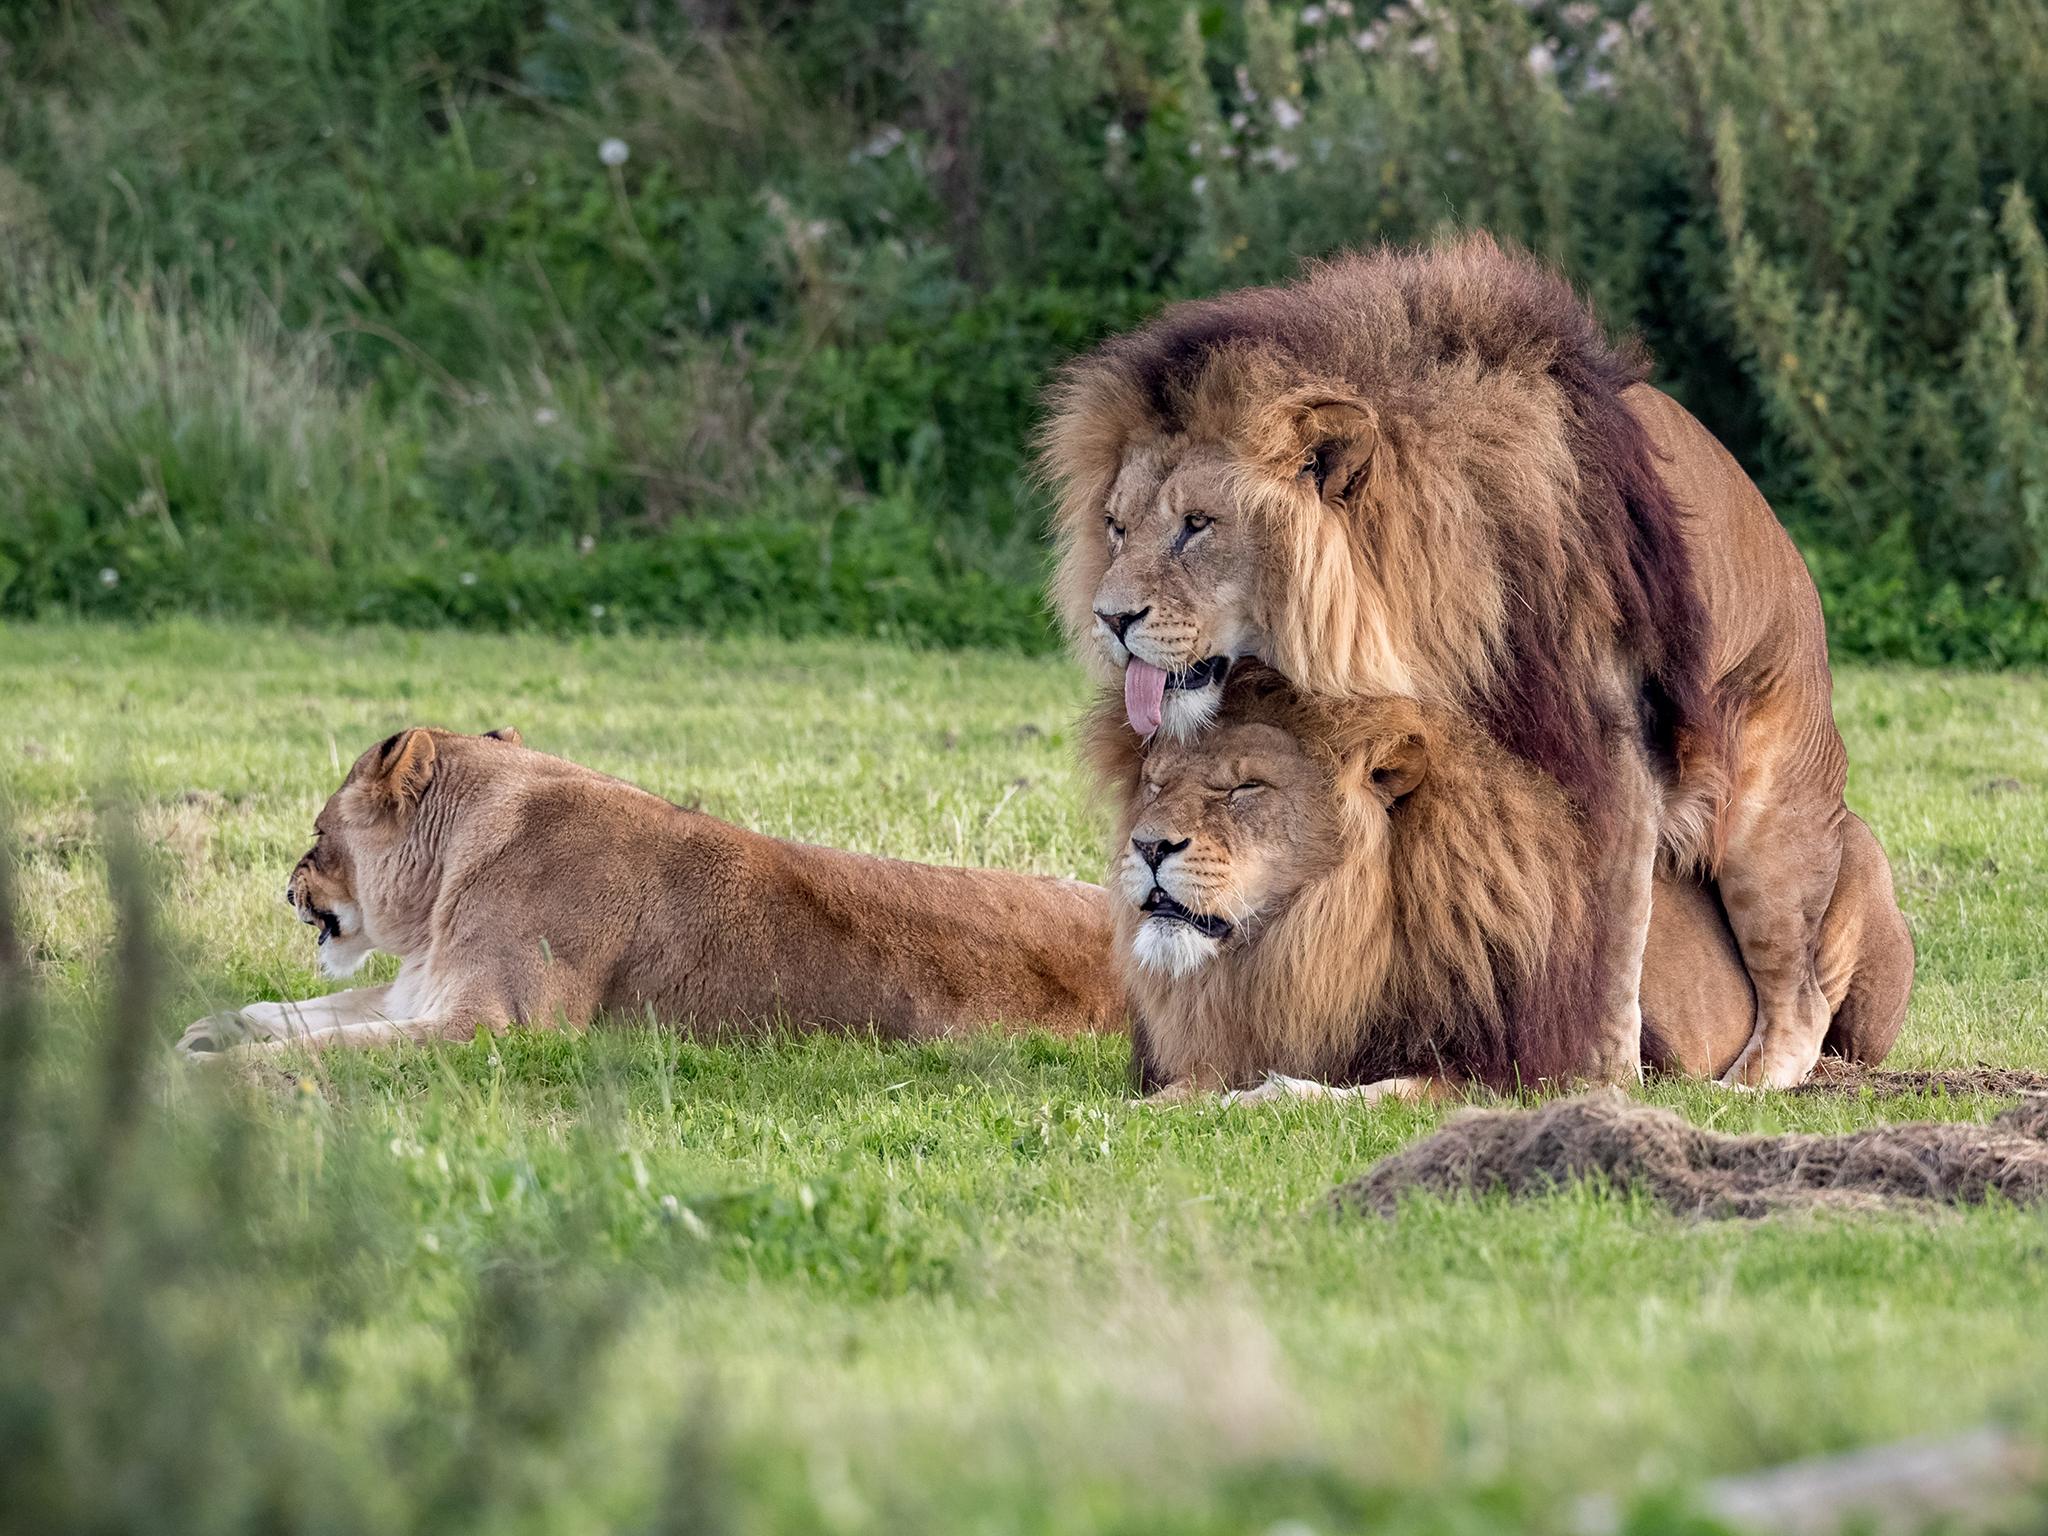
(1428, 473)
(522, 889)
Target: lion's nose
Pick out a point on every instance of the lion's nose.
(1156, 851)
(1119, 622)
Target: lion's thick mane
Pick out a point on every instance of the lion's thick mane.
(1498, 539)
(1455, 944)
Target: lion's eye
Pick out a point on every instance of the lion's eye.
(1150, 792)
(1248, 787)
(1192, 524)
(1116, 530)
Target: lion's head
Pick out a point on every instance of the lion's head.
(1333, 888)
(356, 884)
(1411, 472)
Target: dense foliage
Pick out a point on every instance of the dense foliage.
(734, 313)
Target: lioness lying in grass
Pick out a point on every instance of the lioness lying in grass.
(521, 889)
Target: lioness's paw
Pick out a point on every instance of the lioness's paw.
(212, 1035)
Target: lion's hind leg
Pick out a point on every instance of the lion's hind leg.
(1866, 952)
(1783, 853)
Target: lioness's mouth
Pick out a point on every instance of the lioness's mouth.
(1158, 904)
(329, 924)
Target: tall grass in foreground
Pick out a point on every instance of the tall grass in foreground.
(186, 1272)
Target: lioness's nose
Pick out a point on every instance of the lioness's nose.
(1155, 851)
(1119, 622)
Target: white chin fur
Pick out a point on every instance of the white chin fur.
(1186, 712)
(1171, 948)
(345, 952)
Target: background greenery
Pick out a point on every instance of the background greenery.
(333, 308)
(635, 1283)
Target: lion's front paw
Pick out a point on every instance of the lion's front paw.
(1279, 1088)
(214, 1034)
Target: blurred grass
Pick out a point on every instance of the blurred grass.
(631, 1282)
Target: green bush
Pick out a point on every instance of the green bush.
(348, 302)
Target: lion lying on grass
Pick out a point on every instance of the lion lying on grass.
(522, 889)
(1430, 473)
(1372, 894)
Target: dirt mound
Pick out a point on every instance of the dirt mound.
(1706, 1173)
(1836, 1076)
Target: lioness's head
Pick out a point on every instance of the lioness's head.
(356, 885)
(1227, 831)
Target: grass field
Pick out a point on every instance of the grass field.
(628, 1282)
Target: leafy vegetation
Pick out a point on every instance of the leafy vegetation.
(630, 1282)
(733, 315)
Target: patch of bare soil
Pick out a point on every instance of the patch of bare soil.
(1836, 1076)
(1707, 1173)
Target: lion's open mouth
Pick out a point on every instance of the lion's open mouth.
(1158, 904)
(1146, 687)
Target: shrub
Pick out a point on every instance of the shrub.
(845, 244)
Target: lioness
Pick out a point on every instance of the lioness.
(522, 889)
(1429, 473)
(1373, 893)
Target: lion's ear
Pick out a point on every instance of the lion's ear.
(509, 734)
(401, 769)
(1335, 439)
(1400, 767)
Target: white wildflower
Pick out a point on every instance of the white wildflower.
(1542, 61)
(1113, 134)
(109, 577)
(467, 578)
(546, 416)
(885, 141)
(597, 610)
(1199, 185)
(1312, 15)
(586, 544)
(1424, 48)
(1286, 115)
(614, 152)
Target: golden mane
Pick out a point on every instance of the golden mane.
(1449, 935)
(1495, 537)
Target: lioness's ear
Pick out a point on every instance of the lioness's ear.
(1336, 440)
(509, 734)
(403, 768)
(1400, 767)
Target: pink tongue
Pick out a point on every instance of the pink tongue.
(1144, 695)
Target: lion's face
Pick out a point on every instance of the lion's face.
(1177, 581)
(322, 890)
(361, 883)
(1228, 829)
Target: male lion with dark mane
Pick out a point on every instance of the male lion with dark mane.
(1369, 895)
(1429, 473)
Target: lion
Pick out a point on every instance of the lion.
(519, 888)
(1373, 895)
(1429, 473)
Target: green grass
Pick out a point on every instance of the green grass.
(965, 1286)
